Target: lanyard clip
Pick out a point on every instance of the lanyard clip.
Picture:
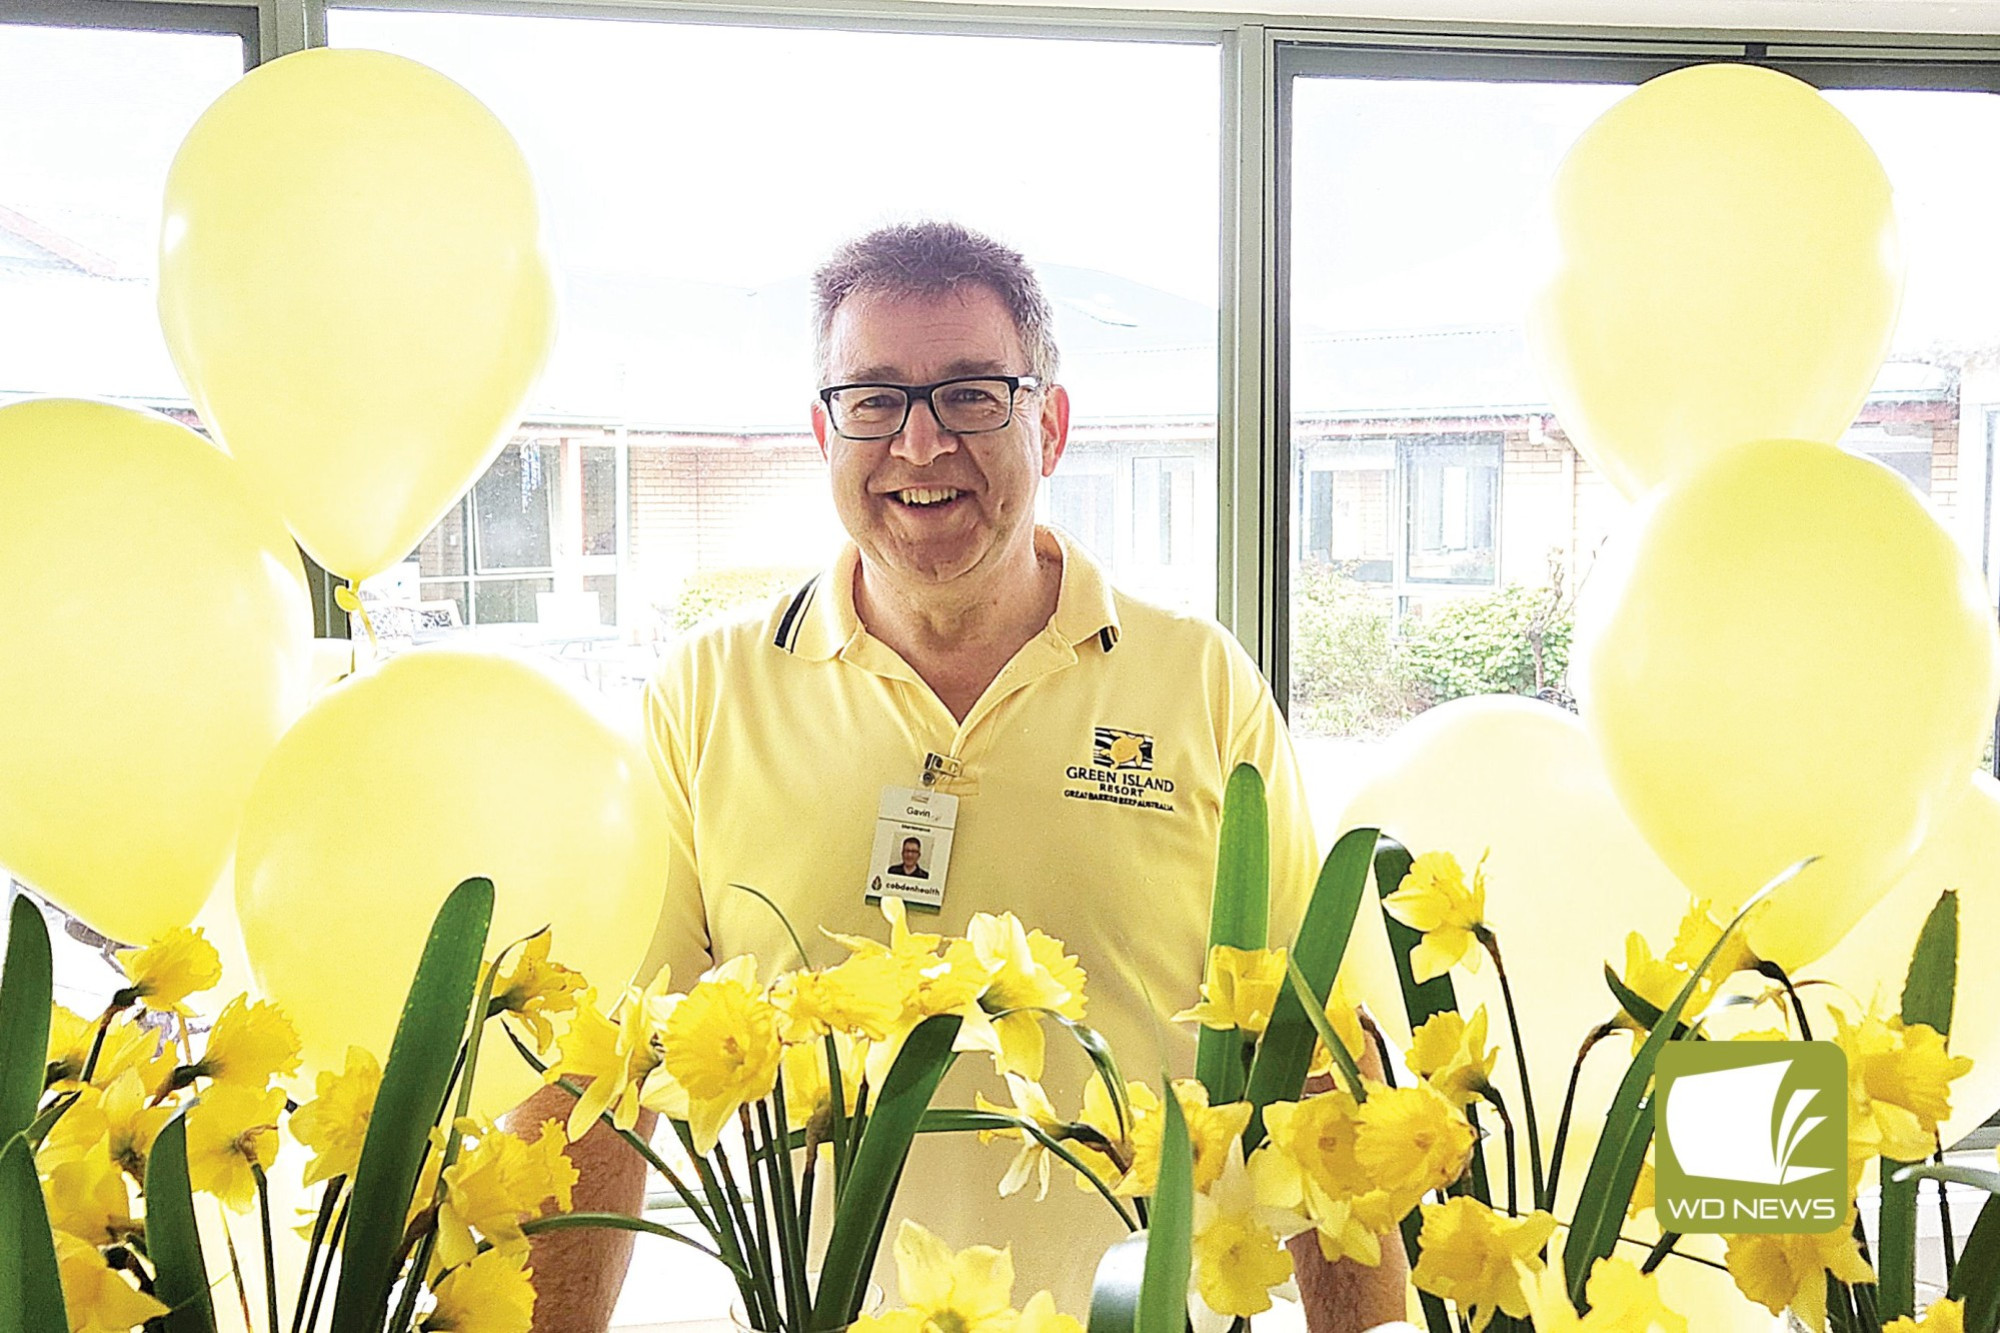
(940, 766)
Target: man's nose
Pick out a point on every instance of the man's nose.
(922, 439)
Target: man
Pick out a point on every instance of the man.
(908, 867)
(956, 649)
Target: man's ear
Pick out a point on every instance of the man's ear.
(1055, 427)
(820, 427)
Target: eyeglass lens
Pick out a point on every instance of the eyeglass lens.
(963, 406)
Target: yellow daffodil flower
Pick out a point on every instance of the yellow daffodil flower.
(535, 991)
(97, 1299)
(1451, 1054)
(1101, 1115)
(861, 997)
(1476, 1257)
(1898, 1087)
(1211, 1129)
(1026, 970)
(809, 1086)
(1344, 1016)
(128, 1045)
(498, 1183)
(1656, 981)
(720, 1045)
(1434, 899)
(966, 1292)
(229, 1130)
(1307, 1163)
(1942, 1317)
(1030, 1104)
(1240, 990)
(117, 1116)
(334, 1124)
(251, 1043)
(1239, 1252)
(1780, 1270)
(1040, 1315)
(930, 985)
(1621, 1300)
(87, 1197)
(1412, 1140)
(491, 1294)
(1698, 932)
(613, 1057)
(163, 974)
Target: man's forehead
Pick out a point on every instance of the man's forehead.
(899, 335)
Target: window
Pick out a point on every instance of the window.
(665, 471)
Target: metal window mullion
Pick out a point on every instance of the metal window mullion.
(1249, 480)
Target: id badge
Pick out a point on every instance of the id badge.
(912, 851)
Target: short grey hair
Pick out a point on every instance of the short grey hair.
(930, 259)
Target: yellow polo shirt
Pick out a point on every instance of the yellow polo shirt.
(776, 737)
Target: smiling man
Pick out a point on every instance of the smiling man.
(964, 680)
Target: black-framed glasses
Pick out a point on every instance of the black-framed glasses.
(966, 405)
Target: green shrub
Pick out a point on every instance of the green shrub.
(1346, 677)
(1514, 641)
(716, 592)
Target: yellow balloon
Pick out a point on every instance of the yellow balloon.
(353, 287)
(155, 635)
(1727, 269)
(1962, 853)
(1568, 877)
(1789, 657)
(401, 782)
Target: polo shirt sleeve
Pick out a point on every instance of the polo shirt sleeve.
(1259, 736)
(680, 937)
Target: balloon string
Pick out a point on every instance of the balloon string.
(348, 600)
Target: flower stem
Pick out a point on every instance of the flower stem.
(1492, 943)
(270, 1247)
(778, 1159)
(329, 1200)
(1597, 1034)
(1491, 1095)
(1661, 1249)
(1770, 969)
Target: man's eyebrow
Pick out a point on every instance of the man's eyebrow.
(885, 374)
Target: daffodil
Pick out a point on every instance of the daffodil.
(930, 984)
(809, 1084)
(1239, 1252)
(1412, 1140)
(1099, 1113)
(536, 990)
(1240, 990)
(613, 1056)
(1211, 1129)
(862, 997)
(1451, 1054)
(231, 1130)
(1898, 1087)
(118, 1116)
(497, 1184)
(1621, 1300)
(966, 1292)
(1779, 1269)
(1307, 1162)
(491, 1294)
(87, 1197)
(1699, 930)
(1026, 972)
(1946, 1316)
(127, 1045)
(251, 1043)
(163, 974)
(1434, 899)
(1344, 1017)
(720, 1045)
(97, 1299)
(1656, 981)
(1477, 1257)
(1040, 1315)
(334, 1124)
(1032, 1105)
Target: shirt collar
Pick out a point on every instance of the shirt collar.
(1085, 606)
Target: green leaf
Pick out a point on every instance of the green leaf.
(31, 1299)
(863, 1209)
(1637, 1005)
(1114, 1293)
(1170, 1234)
(952, 1120)
(1927, 998)
(1239, 916)
(1279, 1071)
(1977, 1177)
(180, 1276)
(414, 1085)
(24, 1017)
(1336, 1050)
(1976, 1280)
(1628, 1125)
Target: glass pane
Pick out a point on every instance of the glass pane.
(445, 550)
(685, 351)
(511, 511)
(604, 587)
(1081, 504)
(508, 601)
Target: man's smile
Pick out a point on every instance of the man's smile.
(925, 497)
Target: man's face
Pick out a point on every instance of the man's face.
(910, 853)
(928, 507)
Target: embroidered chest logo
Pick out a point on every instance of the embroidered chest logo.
(1120, 772)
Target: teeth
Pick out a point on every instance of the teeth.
(926, 495)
